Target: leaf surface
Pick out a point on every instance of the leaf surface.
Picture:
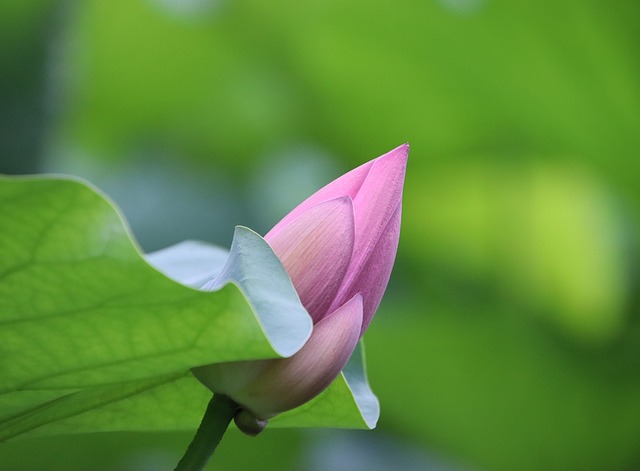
(94, 337)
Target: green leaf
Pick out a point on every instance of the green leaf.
(95, 338)
(134, 406)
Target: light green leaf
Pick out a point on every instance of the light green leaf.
(176, 402)
(94, 338)
(80, 306)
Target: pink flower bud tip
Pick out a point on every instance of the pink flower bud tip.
(343, 239)
(338, 247)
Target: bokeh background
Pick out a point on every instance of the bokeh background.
(510, 335)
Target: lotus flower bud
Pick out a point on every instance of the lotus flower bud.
(375, 192)
(338, 247)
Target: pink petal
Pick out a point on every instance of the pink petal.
(346, 185)
(375, 273)
(377, 201)
(377, 215)
(290, 382)
(315, 249)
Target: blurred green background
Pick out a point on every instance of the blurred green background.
(509, 338)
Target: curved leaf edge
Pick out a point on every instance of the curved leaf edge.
(251, 266)
(254, 267)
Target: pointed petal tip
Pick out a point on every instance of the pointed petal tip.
(397, 157)
(340, 203)
(341, 207)
(356, 303)
(351, 313)
(353, 310)
(342, 200)
(390, 167)
(401, 150)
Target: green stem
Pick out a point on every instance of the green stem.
(216, 419)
